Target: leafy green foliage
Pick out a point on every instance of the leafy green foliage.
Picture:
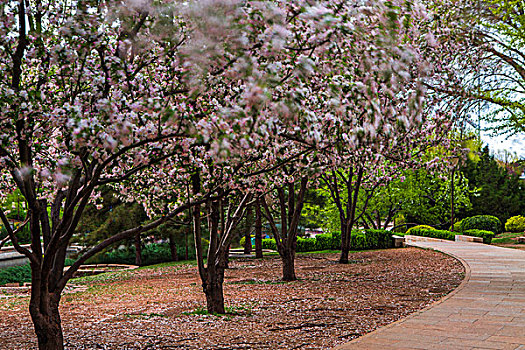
(328, 241)
(457, 226)
(503, 48)
(486, 235)
(20, 274)
(415, 228)
(371, 239)
(15, 274)
(361, 240)
(515, 224)
(481, 222)
(424, 231)
(97, 225)
(425, 198)
(494, 191)
(399, 223)
(433, 233)
(24, 235)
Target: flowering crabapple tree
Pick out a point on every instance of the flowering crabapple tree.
(380, 115)
(118, 94)
(290, 202)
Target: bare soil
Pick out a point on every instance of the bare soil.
(162, 308)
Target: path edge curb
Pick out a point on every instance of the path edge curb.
(461, 286)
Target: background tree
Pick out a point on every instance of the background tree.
(289, 203)
(494, 190)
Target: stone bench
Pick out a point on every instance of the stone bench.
(463, 238)
(398, 241)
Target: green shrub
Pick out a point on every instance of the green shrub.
(433, 233)
(482, 222)
(269, 243)
(15, 274)
(371, 239)
(486, 235)
(361, 240)
(424, 227)
(242, 241)
(24, 235)
(515, 224)
(306, 244)
(327, 241)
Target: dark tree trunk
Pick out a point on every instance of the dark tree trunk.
(345, 244)
(226, 259)
(186, 252)
(247, 232)
(288, 259)
(47, 323)
(290, 213)
(173, 248)
(214, 291)
(138, 250)
(247, 243)
(258, 230)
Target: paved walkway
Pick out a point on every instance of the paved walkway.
(487, 311)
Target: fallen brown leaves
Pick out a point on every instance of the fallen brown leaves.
(329, 305)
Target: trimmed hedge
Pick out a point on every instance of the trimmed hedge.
(451, 236)
(486, 235)
(481, 222)
(361, 240)
(515, 224)
(328, 241)
(441, 234)
(15, 274)
(371, 239)
(20, 274)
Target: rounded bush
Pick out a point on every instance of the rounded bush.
(482, 222)
(515, 224)
(419, 227)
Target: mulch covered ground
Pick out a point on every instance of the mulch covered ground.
(162, 308)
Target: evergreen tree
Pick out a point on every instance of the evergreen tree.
(495, 191)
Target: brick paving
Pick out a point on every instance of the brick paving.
(487, 311)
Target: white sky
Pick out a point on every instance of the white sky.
(499, 144)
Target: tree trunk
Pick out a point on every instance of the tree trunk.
(345, 243)
(247, 243)
(173, 248)
(226, 260)
(288, 259)
(258, 230)
(48, 326)
(186, 251)
(138, 250)
(247, 233)
(214, 292)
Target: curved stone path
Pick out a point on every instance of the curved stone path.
(487, 311)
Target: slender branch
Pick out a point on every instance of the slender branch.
(14, 240)
(122, 235)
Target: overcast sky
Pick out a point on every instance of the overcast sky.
(498, 144)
